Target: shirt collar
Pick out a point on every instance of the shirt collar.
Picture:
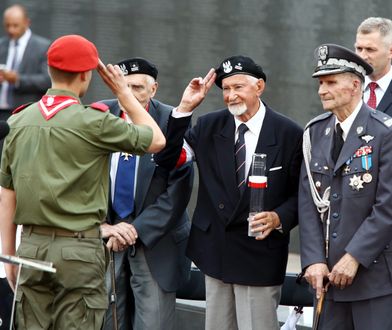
(348, 122)
(23, 40)
(383, 82)
(254, 124)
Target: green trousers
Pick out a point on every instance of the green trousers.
(72, 298)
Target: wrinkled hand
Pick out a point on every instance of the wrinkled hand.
(120, 235)
(315, 275)
(11, 272)
(196, 91)
(343, 273)
(264, 223)
(115, 245)
(113, 78)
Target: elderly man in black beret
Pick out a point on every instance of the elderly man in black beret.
(244, 274)
(345, 209)
(147, 212)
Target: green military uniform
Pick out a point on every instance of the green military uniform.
(59, 170)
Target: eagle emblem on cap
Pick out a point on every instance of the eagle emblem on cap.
(227, 67)
(124, 69)
(323, 53)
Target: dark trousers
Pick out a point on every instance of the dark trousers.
(6, 297)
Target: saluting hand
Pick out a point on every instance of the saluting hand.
(113, 78)
(196, 91)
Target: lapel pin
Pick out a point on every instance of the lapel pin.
(327, 130)
(359, 129)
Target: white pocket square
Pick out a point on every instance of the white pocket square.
(275, 168)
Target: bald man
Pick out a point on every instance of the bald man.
(23, 71)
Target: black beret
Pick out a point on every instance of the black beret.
(238, 65)
(334, 59)
(138, 65)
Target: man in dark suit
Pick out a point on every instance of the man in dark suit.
(345, 209)
(155, 267)
(24, 77)
(374, 44)
(244, 275)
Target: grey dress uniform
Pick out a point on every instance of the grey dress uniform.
(360, 212)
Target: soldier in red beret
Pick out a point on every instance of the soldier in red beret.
(54, 179)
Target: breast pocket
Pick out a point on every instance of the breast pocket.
(321, 174)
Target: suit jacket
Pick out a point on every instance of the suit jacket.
(385, 105)
(33, 70)
(160, 216)
(219, 244)
(360, 213)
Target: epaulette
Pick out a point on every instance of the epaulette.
(98, 106)
(382, 117)
(318, 118)
(20, 108)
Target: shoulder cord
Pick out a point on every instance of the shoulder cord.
(322, 203)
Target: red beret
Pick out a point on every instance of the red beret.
(72, 53)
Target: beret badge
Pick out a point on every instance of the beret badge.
(227, 67)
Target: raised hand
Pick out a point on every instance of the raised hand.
(113, 78)
(196, 91)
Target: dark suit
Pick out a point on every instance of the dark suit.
(361, 219)
(33, 70)
(385, 105)
(159, 216)
(219, 243)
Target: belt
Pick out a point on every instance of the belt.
(52, 231)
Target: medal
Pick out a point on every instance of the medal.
(367, 178)
(347, 169)
(356, 183)
(367, 165)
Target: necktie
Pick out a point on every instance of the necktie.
(372, 102)
(338, 143)
(240, 156)
(13, 68)
(125, 181)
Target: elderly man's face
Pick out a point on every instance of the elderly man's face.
(376, 51)
(336, 91)
(241, 93)
(143, 87)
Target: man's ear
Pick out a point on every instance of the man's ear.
(260, 87)
(154, 89)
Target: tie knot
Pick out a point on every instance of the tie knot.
(339, 129)
(242, 129)
(372, 86)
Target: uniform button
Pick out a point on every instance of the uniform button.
(334, 174)
(335, 195)
(334, 235)
(387, 247)
(375, 261)
(221, 206)
(335, 215)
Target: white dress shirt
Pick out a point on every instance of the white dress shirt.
(382, 87)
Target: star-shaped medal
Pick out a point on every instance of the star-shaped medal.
(126, 155)
(356, 183)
